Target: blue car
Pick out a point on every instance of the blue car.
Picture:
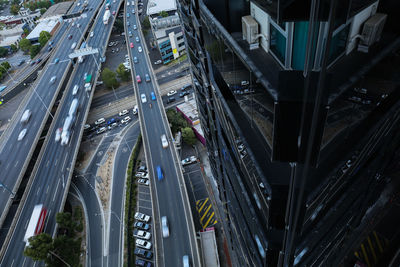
(153, 96)
(160, 174)
(112, 120)
(56, 60)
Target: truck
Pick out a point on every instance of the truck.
(106, 16)
(87, 82)
(65, 134)
(36, 223)
(74, 107)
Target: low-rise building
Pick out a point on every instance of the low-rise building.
(189, 111)
(166, 29)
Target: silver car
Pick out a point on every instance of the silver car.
(164, 226)
(143, 98)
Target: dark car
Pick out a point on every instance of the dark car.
(186, 87)
(112, 120)
(38, 60)
(182, 94)
(170, 99)
(141, 225)
(21, 62)
(143, 253)
(70, 36)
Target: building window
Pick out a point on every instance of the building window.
(338, 43)
(300, 39)
(277, 43)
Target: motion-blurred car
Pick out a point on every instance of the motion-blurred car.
(153, 96)
(138, 79)
(58, 134)
(164, 225)
(22, 134)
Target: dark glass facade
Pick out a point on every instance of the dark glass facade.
(288, 146)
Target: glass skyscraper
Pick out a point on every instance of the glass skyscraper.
(299, 132)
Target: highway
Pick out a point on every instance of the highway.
(170, 193)
(54, 168)
(14, 153)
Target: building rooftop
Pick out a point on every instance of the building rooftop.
(189, 110)
(17, 30)
(7, 41)
(57, 10)
(47, 25)
(156, 6)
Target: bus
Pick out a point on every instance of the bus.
(36, 223)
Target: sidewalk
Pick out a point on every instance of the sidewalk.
(225, 256)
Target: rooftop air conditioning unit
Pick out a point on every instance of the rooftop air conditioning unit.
(372, 31)
(250, 31)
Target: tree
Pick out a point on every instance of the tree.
(3, 51)
(146, 23)
(109, 78)
(25, 44)
(65, 222)
(44, 36)
(14, 48)
(176, 121)
(123, 73)
(34, 50)
(119, 25)
(188, 136)
(42, 11)
(6, 65)
(26, 31)
(39, 247)
(14, 9)
(164, 14)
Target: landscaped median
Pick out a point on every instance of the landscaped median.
(130, 204)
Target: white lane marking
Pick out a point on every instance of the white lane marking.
(12, 263)
(26, 225)
(47, 189)
(55, 191)
(8, 165)
(37, 193)
(16, 163)
(47, 164)
(24, 261)
(55, 163)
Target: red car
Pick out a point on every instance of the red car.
(138, 79)
(131, 44)
(113, 12)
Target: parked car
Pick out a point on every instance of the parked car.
(141, 234)
(135, 110)
(182, 94)
(99, 121)
(189, 160)
(141, 225)
(158, 62)
(126, 119)
(142, 217)
(124, 112)
(164, 226)
(86, 126)
(171, 93)
(170, 99)
(101, 130)
(143, 181)
(143, 244)
(111, 121)
(143, 253)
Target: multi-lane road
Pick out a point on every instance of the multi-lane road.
(171, 197)
(55, 164)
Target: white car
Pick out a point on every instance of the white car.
(73, 45)
(172, 92)
(164, 226)
(164, 141)
(101, 130)
(75, 89)
(143, 98)
(141, 234)
(139, 49)
(142, 217)
(53, 79)
(135, 110)
(189, 160)
(22, 134)
(91, 34)
(126, 119)
(86, 126)
(143, 181)
(65, 138)
(99, 121)
(58, 134)
(124, 112)
(26, 116)
(157, 62)
(143, 244)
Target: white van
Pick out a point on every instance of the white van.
(75, 89)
